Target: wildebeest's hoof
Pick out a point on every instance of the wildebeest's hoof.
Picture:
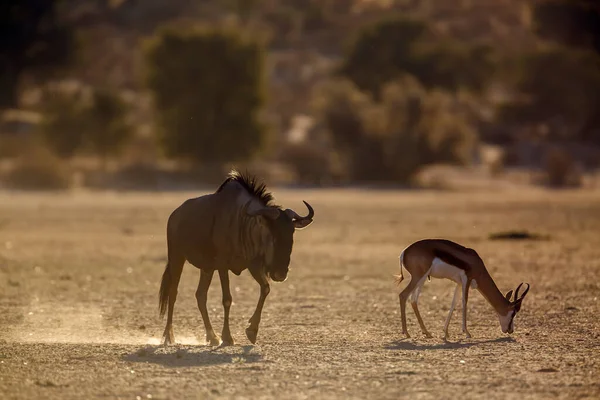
(251, 334)
(227, 341)
(169, 337)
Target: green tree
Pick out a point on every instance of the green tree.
(63, 121)
(393, 47)
(390, 141)
(208, 87)
(558, 89)
(106, 126)
(32, 38)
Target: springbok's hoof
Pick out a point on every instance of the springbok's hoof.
(251, 335)
(213, 340)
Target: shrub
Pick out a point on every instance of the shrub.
(392, 140)
(566, 108)
(106, 126)
(560, 169)
(387, 50)
(38, 169)
(63, 120)
(310, 163)
(208, 91)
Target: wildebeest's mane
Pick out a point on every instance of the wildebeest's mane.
(252, 185)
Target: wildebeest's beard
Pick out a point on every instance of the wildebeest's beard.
(282, 231)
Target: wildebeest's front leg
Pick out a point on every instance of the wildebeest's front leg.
(258, 273)
(201, 297)
(226, 334)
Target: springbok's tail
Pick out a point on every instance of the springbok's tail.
(165, 287)
(399, 278)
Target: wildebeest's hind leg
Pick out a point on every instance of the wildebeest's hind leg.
(226, 334)
(201, 297)
(168, 293)
(259, 275)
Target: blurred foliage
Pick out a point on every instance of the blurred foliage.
(392, 47)
(63, 119)
(106, 126)
(391, 140)
(32, 38)
(38, 169)
(558, 93)
(571, 22)
(310, 163)
(208, 91)
(560, 169)
(72, 120)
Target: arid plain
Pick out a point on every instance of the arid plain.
(79, 278)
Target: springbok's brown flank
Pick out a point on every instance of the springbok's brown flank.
(439, 258)
(236, 228)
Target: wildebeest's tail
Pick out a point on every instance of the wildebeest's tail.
(399, 278)
(165, 287)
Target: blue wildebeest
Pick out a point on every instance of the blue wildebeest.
(236, 228)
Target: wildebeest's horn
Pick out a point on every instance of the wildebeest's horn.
(311, 212)
(294, 215)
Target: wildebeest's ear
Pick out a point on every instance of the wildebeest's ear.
(269, 212)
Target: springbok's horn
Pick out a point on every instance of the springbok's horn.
(525, 292)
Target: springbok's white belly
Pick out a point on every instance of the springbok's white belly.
(441, 270)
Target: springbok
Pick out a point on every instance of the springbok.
(444, 259)
(236, 228)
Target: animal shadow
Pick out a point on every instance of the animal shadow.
(190, 356)
(406, 345)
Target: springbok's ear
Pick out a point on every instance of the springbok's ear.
(508, 294)
(302, 223)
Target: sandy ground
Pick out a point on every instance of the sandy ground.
(79, 277)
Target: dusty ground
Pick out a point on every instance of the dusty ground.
(79, 277)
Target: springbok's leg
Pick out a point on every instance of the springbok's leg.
(175, 269)
(226, 334)
(259, 275)
(454, 300)
(403, 296)
(465, 298)
(414, 301)
(201, 297)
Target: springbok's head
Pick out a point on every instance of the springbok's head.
(282, 224)
(507, 321)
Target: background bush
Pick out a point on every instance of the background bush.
(208, 90)
(391, 140)
(388, 49)
(38, 169)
